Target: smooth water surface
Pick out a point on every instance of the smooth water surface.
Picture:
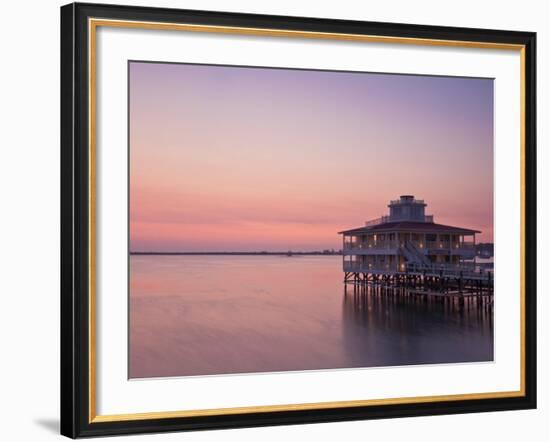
(201, 315)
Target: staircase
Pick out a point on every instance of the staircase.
(414, 255)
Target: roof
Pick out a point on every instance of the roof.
(410, 226)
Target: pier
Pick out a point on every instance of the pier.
(428, 284)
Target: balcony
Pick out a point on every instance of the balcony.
(387, 219)
(466, 250)
(449, 270)
(376, 221)
(367, 248)
(452, 270)
(454, 245)
(370, 268)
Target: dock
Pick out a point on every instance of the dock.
(428, 283)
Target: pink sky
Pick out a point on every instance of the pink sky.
(242, 159)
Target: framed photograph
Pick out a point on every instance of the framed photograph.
(275, 220)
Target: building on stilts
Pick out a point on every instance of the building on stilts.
(406, 246)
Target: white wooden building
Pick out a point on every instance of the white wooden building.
(408, 240)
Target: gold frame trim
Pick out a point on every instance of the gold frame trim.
(93, 23)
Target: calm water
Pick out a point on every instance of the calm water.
(198, 315)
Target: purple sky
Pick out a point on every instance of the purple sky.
(230, 158)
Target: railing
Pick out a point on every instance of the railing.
(376, 221)
(452, 270)
(449, 245)
(387, 219)
(447, 270)
(379, 245)
(393, 244)
(414, 253)
(399, 201)
(428, 218)
(365, 268)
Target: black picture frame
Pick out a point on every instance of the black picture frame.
(75, 220)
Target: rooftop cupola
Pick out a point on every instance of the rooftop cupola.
(406, 208)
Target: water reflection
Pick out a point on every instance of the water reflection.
(201, 315)
(394, 327)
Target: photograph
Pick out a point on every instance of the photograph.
(276, 218)
(300, 219)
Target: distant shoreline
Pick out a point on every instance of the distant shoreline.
(289, 253)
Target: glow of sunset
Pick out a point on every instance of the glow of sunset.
(252, 159)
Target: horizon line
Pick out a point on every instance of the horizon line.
(331, 251)
(257, 252)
